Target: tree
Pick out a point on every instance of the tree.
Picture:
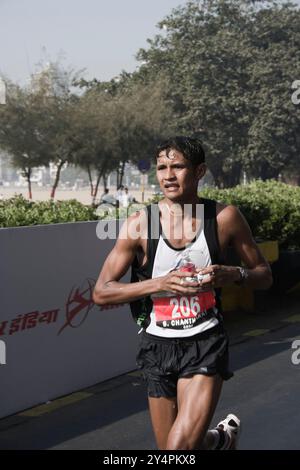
(54, 84)
(273, 138)
(123, 119)
(24, 131)
(95, 137)
(229, 65)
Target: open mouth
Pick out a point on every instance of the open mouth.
(171, 186)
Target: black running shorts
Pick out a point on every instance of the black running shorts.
(164, 360)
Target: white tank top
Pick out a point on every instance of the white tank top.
(181, 316)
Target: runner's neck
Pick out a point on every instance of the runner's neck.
(176, 212)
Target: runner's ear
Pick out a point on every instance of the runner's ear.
(201, 170)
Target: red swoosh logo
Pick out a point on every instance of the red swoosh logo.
(78, 301)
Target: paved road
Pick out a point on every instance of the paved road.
(264, 393)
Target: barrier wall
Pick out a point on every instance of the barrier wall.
(57, 341)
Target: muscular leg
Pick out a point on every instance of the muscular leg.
(163, 413)
(197, 400)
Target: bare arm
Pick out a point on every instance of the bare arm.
(259, 271)
(260, 274)
(108, 289)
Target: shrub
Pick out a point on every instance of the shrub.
(18, 211)
(271, 208)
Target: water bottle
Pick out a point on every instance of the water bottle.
(186, 264)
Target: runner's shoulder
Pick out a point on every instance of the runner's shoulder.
(225, 209)
(227, 214)
(135, 226)
(138, 216)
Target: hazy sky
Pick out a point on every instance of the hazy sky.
(100, 35)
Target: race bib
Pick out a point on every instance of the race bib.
(181, 312)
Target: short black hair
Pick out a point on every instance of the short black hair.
(190, 147)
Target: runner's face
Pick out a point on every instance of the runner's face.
(176, 175)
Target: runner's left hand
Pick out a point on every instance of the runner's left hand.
(219, 275)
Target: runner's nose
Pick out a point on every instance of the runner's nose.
(169, 174)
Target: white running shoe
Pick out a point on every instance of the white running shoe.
(231, 425)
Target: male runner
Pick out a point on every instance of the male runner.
(184, 349)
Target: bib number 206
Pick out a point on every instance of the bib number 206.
(184, 306)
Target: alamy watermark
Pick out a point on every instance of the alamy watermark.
(2, 353)
(296, 95)
(295, 358)
(178, 223)
(2, 91)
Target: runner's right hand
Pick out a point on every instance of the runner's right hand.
(176, 283)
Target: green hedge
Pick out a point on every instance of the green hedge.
(271, 208)
(17, 211)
